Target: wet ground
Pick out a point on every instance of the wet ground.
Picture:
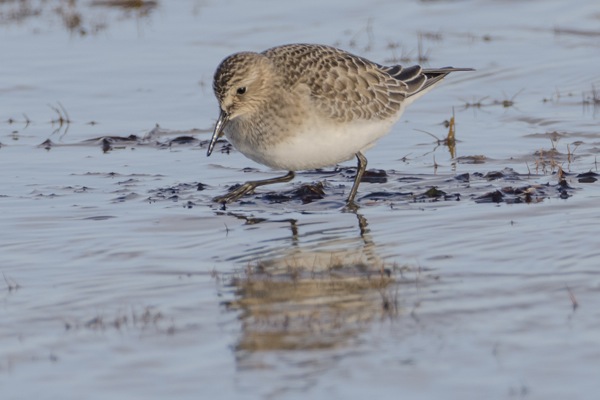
(470, 270)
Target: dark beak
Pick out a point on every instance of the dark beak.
(221, 122)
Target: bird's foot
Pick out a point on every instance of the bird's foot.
(236, 193)
(351, 206)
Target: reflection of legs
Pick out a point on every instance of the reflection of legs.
(369, 248)
(360, 170)
(249, 186)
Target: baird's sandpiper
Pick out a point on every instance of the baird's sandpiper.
(307, 106)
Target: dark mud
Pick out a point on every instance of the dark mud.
(504, 186)
(470, 269)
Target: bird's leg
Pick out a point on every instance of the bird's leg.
(249, 186)
(360, 170)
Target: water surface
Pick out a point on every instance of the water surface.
(122, 279)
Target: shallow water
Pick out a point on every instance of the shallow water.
(123, 280)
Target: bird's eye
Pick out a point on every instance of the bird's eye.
(241, 90)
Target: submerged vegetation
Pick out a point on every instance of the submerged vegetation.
(76, 16)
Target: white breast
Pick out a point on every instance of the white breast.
(319, 143)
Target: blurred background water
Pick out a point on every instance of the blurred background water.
(123, 280)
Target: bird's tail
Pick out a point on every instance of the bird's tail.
(418, 79)
(434, 75)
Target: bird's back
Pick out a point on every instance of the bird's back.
(346, 87)
(343, 86)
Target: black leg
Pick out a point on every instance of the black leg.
(360, 170)
(249, 186)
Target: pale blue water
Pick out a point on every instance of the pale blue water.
(121, 290)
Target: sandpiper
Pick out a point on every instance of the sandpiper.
(307, 106)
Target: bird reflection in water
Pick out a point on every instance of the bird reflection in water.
(312, 298)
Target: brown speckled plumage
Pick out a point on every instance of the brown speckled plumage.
(338, 79)
(305, 106)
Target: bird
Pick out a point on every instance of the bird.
(307, 106)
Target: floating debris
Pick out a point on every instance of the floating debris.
(587, 177)
(374, 176)
(491, 197)
(306, 193)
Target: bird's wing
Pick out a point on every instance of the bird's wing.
(343, 86)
